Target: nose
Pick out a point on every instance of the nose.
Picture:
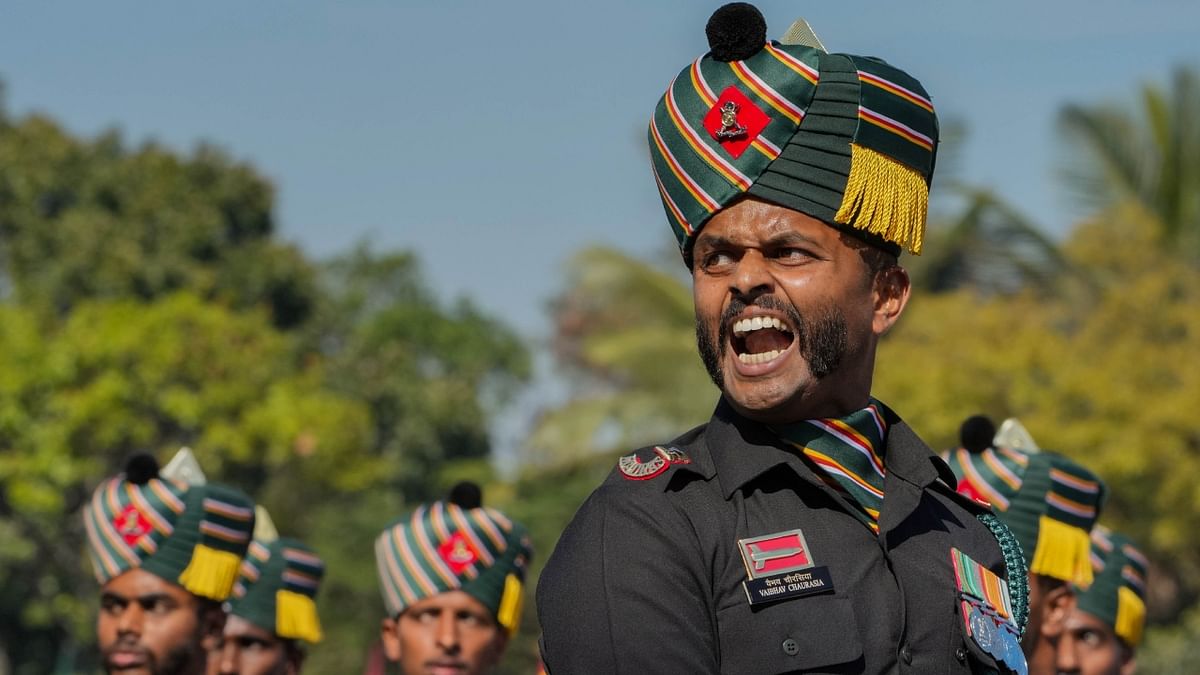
(447, 633)
(130, 620)
(227, 658)
(1066, 660)
(752, 277)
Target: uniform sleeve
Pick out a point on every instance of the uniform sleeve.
(626, 590)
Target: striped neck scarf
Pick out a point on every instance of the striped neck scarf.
(848, 455)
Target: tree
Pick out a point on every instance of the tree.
(1148, 155)
(121, 376)
(83, 219)
(625, 336)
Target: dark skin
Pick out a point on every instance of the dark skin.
(150, 626)
(247, 649)
(1090, 647)
(1051, 601)
(450, 633)
(832, 297)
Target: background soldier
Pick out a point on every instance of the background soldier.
(805, 527)
(166, 554)
(1103, 632)
(452, 575)
(272, 610)
(1051, 504)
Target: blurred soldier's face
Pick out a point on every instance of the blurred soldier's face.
(448, 634)
(788, 312)
(1089, 647)
(149, 626)
(246, 649)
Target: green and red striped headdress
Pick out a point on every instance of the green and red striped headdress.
(1117, 596)
(1048, 501)
(445, 546)
(849, 140)
(277, 587)
(191, 535)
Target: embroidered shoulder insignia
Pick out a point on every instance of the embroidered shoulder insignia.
(634, 468)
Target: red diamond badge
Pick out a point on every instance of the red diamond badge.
(734, 121)
(457, 553)
(131, 524)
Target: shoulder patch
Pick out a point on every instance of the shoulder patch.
(644, 466)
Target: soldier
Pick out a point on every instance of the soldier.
(1050, 503)
(805, 527)
(272, 611)
(452, 575)
(166, 554)
(1103, 633)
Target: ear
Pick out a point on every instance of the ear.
(499, 644)
(891, 288)
(1128, 661)
(1058, 603)
(390, 637)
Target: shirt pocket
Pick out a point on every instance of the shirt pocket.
(816, 634)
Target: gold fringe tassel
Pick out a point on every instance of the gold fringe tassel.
(296, 617)
(509, 614)
(1131, 616)
(211, 572)
(886, 198)
(1062, 552)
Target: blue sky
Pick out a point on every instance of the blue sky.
(496, 138)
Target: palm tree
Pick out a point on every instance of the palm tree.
(1147, 155)
(625, 337)
(989, 246)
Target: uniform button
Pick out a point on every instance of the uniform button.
(906, 655)
(791, 647)
(961, 655)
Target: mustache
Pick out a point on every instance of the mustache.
(126, 645)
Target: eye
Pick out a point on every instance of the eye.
(158, 606)
(792, 255)
(1091, 638)
(111, 606)
(716, 260)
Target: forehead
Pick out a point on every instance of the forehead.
(1081, 620)
(752, 220)
(138, 582)
(238, 627)
(449, 600)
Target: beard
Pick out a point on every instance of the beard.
(821, 339)
(184, 659)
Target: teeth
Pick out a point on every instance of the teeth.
(758, 358)
(758, 323)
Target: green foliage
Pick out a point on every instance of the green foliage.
(147, 307)
(1147, 155)
(625, 333)
(91, 219)
(1106, 374)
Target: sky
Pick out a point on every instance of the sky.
(496, 139)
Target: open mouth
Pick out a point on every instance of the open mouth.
(760, 339)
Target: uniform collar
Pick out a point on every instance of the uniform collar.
(742, 450)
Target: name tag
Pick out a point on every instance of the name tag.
(788, 585)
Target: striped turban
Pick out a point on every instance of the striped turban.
(1117, 596)
(191, 535)
(1048, 501)
(276, 589)
(444, 547)
(848, 140)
